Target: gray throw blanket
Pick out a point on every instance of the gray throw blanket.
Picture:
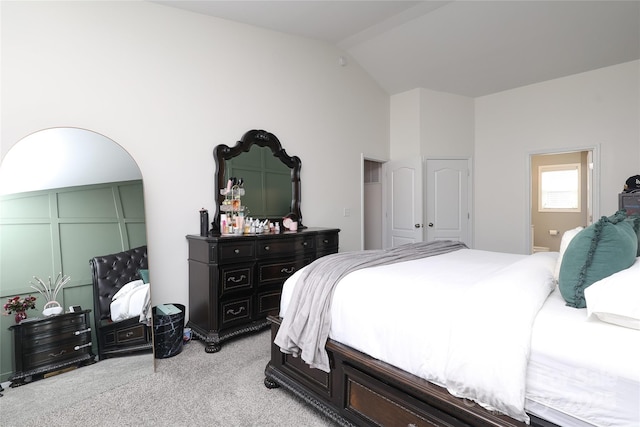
(305, 327)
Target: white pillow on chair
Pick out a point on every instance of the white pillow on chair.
(127, 288)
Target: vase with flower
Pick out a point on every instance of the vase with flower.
(19, 306)
(50, 292)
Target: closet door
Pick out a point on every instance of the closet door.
(448, 200)
(404, 202)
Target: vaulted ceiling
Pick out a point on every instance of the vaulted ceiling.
(471, 48)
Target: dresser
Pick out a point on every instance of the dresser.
(49, 344)
(236, 281)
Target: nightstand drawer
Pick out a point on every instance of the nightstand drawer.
(55, 354)
(53, 325)
(52, 337)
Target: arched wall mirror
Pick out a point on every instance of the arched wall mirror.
(66, 195)
(271, 178)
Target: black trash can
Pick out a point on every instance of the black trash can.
(168, 331)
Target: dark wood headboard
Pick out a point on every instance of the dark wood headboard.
(110, 273)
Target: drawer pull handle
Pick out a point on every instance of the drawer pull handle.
(78, 347)
(325, 241)
(129, 334)
(304, 243)
(236, 312)
(57, 355)
(236, 251)
(238, 280)
(287, 270)
(266, 248)
(82, 331)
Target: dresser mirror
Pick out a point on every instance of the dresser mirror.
(53, 170)
(270, 177)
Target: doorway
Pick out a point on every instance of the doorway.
(554, 205)
(372, 204)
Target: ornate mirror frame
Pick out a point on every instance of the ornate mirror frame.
(260, 138)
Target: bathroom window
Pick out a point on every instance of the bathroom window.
(559, 188)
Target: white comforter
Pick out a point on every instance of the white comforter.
(460, 302)
(490, 338)
(131, 300)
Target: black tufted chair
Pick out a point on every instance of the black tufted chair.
(110, 273)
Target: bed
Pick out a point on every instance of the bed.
(398, 355)
(121, 302)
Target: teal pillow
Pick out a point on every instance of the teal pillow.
(144, 275)
(635, 224)
(600, 250)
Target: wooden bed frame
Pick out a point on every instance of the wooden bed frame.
(361, 390)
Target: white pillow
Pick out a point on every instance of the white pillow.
(566, 238)
(127, 288)
(616, 299)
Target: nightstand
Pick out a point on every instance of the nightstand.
(45, 345)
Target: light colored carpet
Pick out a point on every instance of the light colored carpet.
(67, 389)
(192, 388)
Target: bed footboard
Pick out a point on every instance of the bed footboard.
(361, 390)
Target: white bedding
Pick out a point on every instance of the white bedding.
(370, 304)
(582, 371)
(130, 301)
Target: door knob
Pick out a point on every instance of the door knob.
(430, 224)
(417, 225)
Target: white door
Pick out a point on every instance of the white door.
(448, 216)
(404, 202)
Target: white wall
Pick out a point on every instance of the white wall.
(431, 124)
(447, 125)
(599, 109)
(405, 126)
(169, 85)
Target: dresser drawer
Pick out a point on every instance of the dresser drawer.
(268, 303)
(236, 311)
(280, 270)
(283, 247)
(326, 244)
(236, 278)
(55, 354)
(236, 251)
